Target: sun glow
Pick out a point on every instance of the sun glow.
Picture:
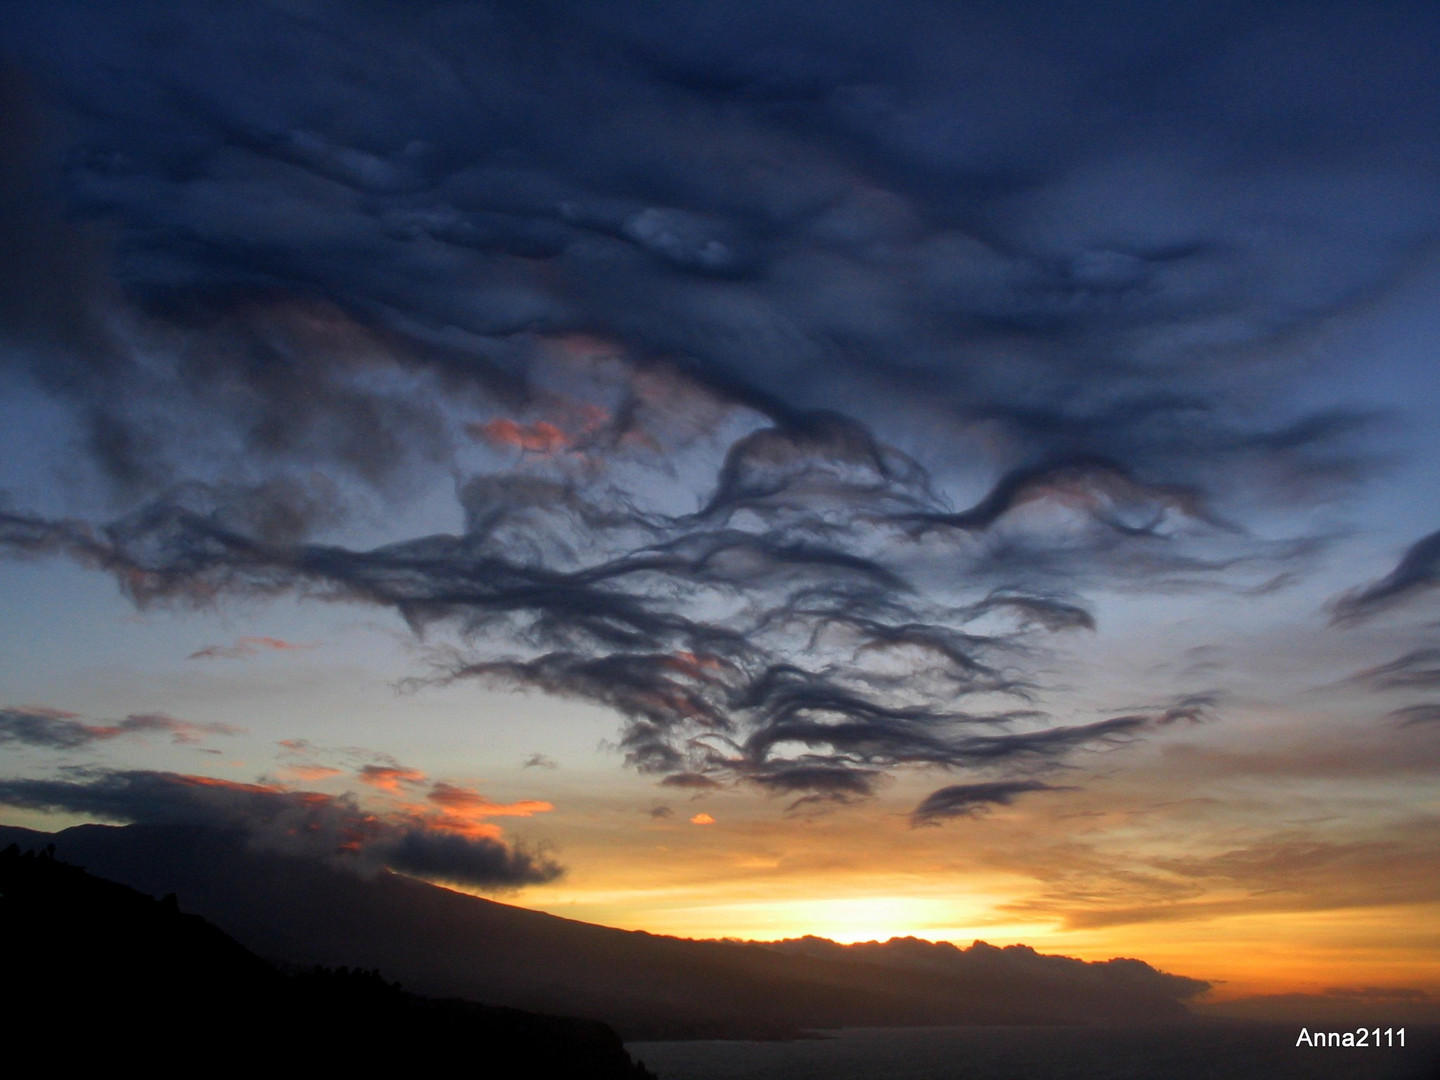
(842, 919)
(869, 918)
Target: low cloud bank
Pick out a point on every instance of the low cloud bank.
(306, 823)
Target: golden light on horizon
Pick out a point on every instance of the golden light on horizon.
(1283, 952)
(790, 911)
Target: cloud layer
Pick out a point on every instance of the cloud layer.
(446, 847)
(827, 216)
(797, 380)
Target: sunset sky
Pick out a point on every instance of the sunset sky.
(744, 469)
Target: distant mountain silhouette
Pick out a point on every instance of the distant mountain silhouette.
(448, 944)
(986, 971)
(99, 974)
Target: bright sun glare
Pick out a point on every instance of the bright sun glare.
(860, 918)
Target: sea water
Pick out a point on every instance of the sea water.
(1194, 1051)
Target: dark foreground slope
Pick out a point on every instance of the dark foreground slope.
(447, 944)
(98, 973)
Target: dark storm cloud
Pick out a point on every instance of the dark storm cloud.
(846, 207)
(969, 800)
(1418, 572)
(168, 798)
(869, 255)
(302, 822)
(57, 730)
(50, 269)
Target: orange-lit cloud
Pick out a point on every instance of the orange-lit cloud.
(702, 819)
(309, 773)
(698, 666)
(457, 824)
(189, 780)
(246, 647)
(571, 423)
(464, 811)
(469, 801)
(541, 437)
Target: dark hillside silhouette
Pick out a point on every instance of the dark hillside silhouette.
(447, 944)
(97, 973)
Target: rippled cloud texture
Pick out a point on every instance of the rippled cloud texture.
(803, 371)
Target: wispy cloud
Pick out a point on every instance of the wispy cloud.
(1418, 572)
(1090, 886)
(971, 800)
(389, 778)
(1418, 669)
(59, 730)
(245, 647)
(1413, 715)
(308, 774)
